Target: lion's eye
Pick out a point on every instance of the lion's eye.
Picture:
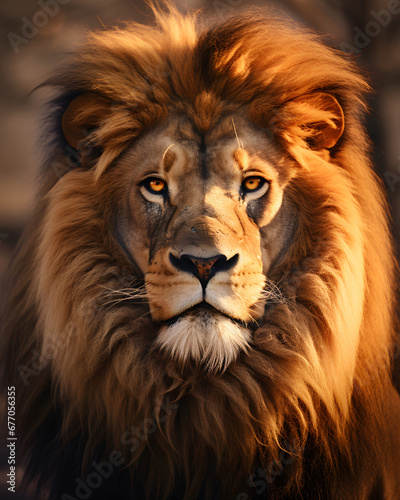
(155, 185)
(252, 184)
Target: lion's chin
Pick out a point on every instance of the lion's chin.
(205, 336)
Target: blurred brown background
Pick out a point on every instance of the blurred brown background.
(36, 33)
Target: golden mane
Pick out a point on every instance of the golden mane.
(308, 403)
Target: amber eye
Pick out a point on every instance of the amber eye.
(253, 183)
(155, 185)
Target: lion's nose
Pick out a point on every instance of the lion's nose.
(203, 269)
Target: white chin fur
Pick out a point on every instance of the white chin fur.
(211, 339)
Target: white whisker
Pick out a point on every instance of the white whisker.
(240, 143)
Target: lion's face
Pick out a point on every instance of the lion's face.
(193, 222)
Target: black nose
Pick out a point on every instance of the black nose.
(203, 269)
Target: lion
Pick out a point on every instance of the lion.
(202, 306)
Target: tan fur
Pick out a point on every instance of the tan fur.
(315, 270)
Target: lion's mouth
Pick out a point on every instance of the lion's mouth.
(205, 307)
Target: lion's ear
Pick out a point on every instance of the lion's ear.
(323, 118)
(83, 114)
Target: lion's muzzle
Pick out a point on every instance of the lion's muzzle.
(211, 301)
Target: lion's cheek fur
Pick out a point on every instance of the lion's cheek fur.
(330, 281)
(236, 298)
